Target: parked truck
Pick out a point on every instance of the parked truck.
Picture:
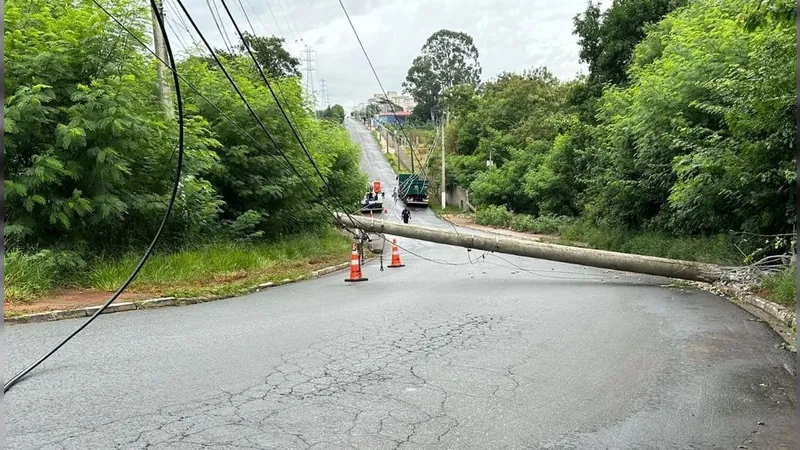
(413, 190)
(373, 200)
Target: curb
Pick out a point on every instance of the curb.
(778, 317)
(161, 302)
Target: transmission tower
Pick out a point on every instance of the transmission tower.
(310, 60)
(323, 94)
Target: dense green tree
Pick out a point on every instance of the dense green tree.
(606, 39)
(90, 154)
(259, 180)
(87, 147)
(274, 59)
(704, 138)
(333, 113)
(697, 137)
(448, 58)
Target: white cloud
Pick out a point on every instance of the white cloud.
(511, 35)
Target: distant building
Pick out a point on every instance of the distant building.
(393, 118)
(399, 102)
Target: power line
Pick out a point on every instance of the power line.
(220, 25)
(283, 111)
(249, 107)
(288, 25)
(272, 13)
(247, 17)
(377, 78)
(178, 172)
(258, 17)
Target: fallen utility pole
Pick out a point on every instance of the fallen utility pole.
(686, 270)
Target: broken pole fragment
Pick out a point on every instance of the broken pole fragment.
(650, 265)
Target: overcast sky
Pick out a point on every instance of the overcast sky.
(511, 35)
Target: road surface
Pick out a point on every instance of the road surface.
(464, 353)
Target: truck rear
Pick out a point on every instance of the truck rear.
(413, 189)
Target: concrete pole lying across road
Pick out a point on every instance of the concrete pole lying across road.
(649, 265)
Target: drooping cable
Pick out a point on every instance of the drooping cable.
(249, 107)
(288, 25)
(178, 172)
(297, 136)
(377, 78)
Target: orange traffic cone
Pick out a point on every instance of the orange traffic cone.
(395, 255)
(355, 267)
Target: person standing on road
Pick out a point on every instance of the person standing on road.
(406, 215)
(394, 193)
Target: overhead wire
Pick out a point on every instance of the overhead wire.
(295, 131)
(178, 18)
(256, 142)
(249, 107)
(288, 25)
(220, 25)
(170, 205)
(377, 78)
(272, 13)
(255, 13)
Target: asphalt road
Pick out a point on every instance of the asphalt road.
(468, 352)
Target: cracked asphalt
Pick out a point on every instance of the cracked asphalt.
(479, 352)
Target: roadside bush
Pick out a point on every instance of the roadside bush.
(523, 222)
(550, 224)
(718, 249)
(781, 287)
(493, 215)
(28, 275)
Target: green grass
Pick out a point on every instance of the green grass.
(392, 159)
(26, 276)
(716, 250)
(449, 209)
(215, 269)
(30, 275)
(781, 287)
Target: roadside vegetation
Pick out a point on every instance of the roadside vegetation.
(679, 142)
(781, 287)
(221, 268)
(90, 158)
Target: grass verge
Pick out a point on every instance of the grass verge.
(781, 287)
(217, 269)
(392, 159)
(714, 250)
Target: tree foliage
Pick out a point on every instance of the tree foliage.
(90, 155)
(448, 58)
(333, 113)
(698, 137)
(606, 39)
(276, 61)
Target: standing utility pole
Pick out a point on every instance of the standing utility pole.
(164, 88)
(310, 60)
(444, 191)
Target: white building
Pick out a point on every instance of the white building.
(405, 102)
